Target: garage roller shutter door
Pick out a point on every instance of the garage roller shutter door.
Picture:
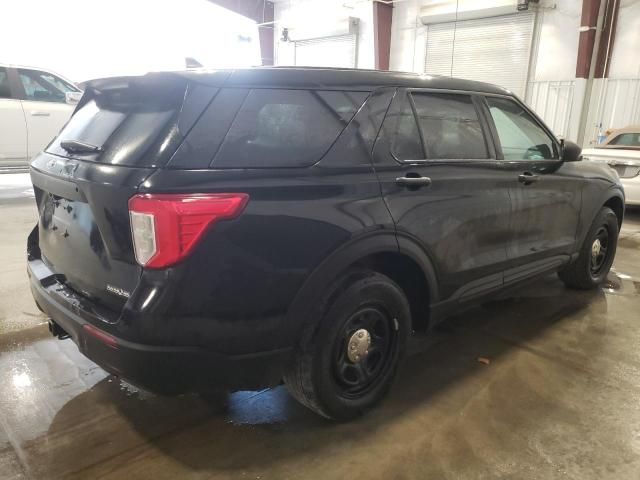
(494, 50)
(336, 51)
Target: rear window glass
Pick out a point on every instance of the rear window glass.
(286, 128)
(129, 125)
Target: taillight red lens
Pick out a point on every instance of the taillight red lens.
(166, 227)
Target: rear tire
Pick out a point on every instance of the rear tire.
(330, 373)
(596, 255)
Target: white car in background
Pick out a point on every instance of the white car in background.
(34, 105)
(621, 150)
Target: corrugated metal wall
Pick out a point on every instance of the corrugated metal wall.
(553, 101)
(615, 103)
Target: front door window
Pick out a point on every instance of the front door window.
(521, 137)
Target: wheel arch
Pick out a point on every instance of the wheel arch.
(399, 258)
(592, 202)
(616, 203)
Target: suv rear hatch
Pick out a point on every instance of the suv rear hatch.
(122, 130)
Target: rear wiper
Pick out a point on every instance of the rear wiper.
(74, 146)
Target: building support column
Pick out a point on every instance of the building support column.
(593, 84)
(382, 17)
(587, 40)
(605, 46)
(265, 30)
(590, 30)
(596, 125)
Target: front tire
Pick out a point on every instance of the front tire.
(348, 364)
(596, 255)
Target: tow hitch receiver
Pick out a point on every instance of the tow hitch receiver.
(57, 331)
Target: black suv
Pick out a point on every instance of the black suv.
(243, 228)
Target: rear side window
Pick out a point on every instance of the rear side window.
(450, 126)
(626, 139)
(286, 128)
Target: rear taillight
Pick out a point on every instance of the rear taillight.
(166, 227)
(108, 340)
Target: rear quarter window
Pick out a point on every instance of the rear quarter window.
(286, 128)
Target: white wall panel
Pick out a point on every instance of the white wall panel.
(625, 59)
(557, 43)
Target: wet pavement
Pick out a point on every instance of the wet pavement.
(559, 396)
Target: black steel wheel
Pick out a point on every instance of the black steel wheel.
(348, 361)
(596, 254)
(599, 248)
(363, 349)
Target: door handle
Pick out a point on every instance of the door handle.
(528, 178)
(415, 182)
(36, 113)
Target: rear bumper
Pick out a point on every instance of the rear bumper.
(163, 369)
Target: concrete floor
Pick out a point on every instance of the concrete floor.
(560, 397)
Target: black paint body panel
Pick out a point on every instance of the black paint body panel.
(248, 287)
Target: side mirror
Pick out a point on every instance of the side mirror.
(571, 152)
(72, 98)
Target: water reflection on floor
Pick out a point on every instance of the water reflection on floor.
(558, 398)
